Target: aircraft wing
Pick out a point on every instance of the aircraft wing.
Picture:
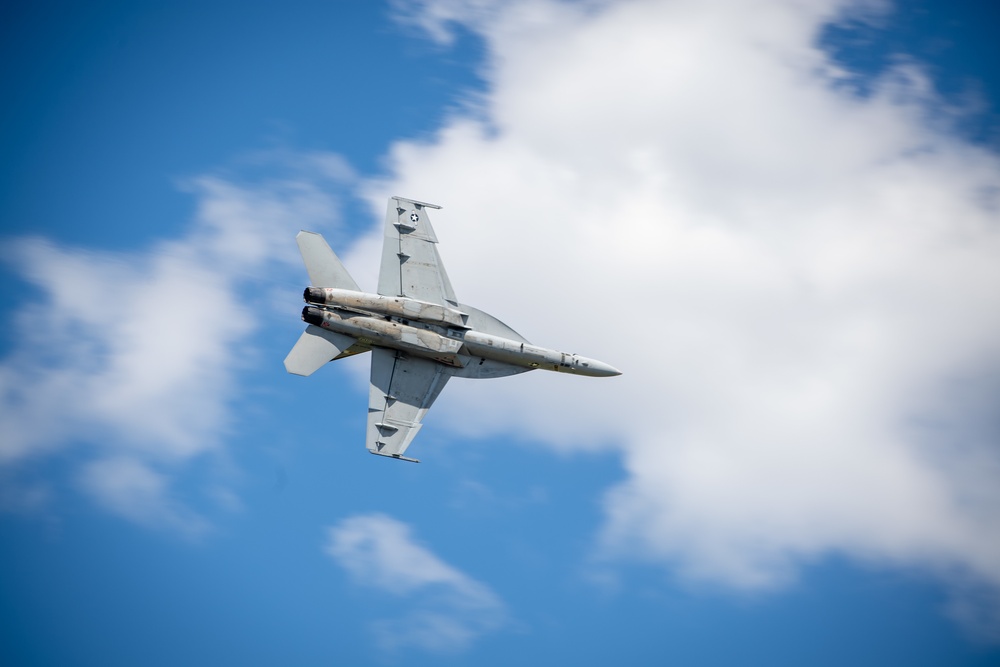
(411, 265)
(403, 388)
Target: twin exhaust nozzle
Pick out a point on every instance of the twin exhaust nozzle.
(312, 315)
(314, 295)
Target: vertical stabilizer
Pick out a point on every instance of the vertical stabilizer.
(324, 267)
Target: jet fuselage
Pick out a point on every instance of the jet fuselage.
(432, 331)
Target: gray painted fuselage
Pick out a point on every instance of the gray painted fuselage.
(435, 332)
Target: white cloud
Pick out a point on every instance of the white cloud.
(800, 285)
(131, 489)
(135, 355)
(437, 18)
(451, 609)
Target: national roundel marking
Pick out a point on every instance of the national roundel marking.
(414, 217)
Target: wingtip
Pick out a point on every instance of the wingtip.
(415, 202)
(398, 457)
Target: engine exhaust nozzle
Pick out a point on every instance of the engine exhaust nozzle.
(314, 295)
(311, 315)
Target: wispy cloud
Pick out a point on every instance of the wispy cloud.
(131, 489)
(799, 284)
(133, 356)
(449, 609)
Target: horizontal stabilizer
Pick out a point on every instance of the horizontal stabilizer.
(316, 346)
(323, 265)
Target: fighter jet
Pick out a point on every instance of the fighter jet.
(419, 335)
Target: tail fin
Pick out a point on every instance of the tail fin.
(315, 347)
(324, 267)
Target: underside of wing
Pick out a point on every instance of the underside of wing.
(481, 368)
(411, 265)
(486, 323)
(357, 348)
(402, 390)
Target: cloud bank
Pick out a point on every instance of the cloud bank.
(799, 284)
(450, 610)
(132, 357)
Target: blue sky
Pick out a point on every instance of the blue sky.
(790, 209)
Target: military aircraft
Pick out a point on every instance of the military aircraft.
(419, 335)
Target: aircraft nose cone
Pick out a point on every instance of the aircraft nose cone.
(605, 370)
(596, 368)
